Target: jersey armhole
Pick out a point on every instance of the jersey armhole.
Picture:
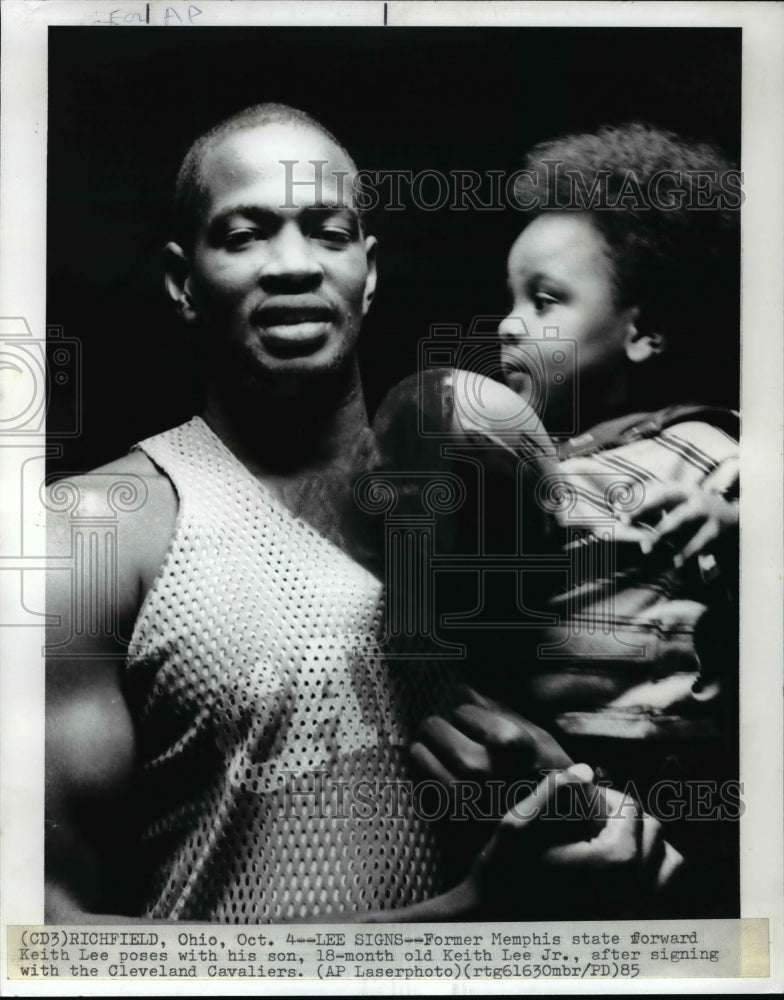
(134, 643)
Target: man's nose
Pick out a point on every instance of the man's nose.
(512, 329)
(290, 261)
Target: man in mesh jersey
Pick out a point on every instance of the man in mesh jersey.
(188, 745)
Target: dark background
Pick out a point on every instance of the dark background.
(125, 103)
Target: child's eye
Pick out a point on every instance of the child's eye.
(543, 301)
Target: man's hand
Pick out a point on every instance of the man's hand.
(482, 741)
(614, 867)
(567, 849)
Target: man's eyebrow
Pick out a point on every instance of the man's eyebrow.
(249, 211)
(327, 208)
(316, 208)
(261, 214)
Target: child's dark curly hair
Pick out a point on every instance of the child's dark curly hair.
(669, 212)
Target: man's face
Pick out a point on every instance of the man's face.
(280, 275)
(563, 344)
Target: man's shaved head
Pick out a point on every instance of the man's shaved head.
(190, 191)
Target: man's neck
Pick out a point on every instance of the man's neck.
(308, 451)
(293, 435)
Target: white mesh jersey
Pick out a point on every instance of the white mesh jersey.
(272, 733)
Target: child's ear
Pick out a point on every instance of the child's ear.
(642, 340)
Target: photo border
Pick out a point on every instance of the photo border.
(22, 287)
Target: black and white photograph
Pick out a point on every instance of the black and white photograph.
(380, 518)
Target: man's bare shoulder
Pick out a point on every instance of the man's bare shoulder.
(129, 495)
(130, 489)
(134, 463)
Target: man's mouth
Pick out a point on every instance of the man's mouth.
(291, 329)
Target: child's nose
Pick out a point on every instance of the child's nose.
(511, 329)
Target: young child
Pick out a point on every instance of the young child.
(639, 295)
(623, 335)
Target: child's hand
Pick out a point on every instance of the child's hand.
(689, 522)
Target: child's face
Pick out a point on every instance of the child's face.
(564, 342)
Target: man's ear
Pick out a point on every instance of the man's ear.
(642, 340)
(371, 244)
(178, 281)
